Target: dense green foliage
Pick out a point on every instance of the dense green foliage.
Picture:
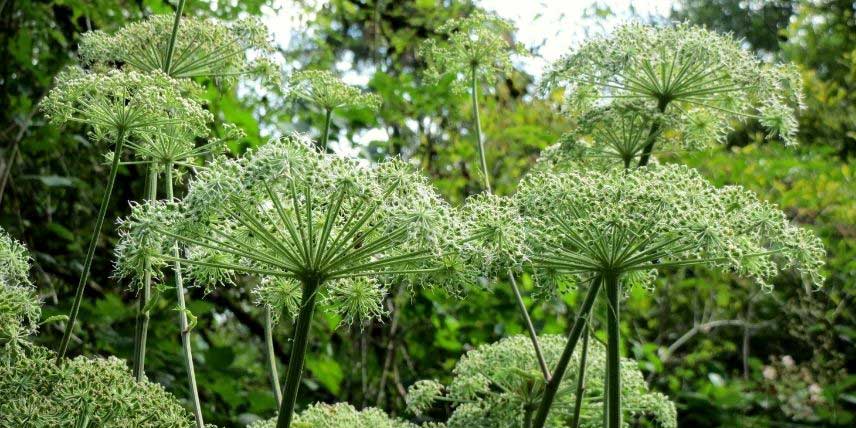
(725, 351)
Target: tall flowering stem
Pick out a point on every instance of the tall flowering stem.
(621, 227)
(119, 106)
(184, 326)
(142, 326)
(476, 49)
(93, 242)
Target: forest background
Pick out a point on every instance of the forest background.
(728, 353)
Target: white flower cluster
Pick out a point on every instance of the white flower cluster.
(140, 105)
(287, 212)
(326, 91)
(700, 81)
(20, 309)
(584, 223)
(202, 48)
(496, 384)
(476, 44)
(340, 415)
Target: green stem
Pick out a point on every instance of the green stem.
(527, 416)
(90, 253)
(271, 357)
(298, 352)
(326, 135)
(581, 382)
(143, 312)
(182, 319)
(562, 365)
(530, 328)
(480, 143)
(652, 134)
(612, 405)
(167, 62)
(520, 304)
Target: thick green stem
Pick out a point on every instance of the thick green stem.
(93, 242)
(652, 135)
(167, 61)
(479, 142)
(527, 416)
(271, 357)
(612, 405)
(581, 381)
(182, 319)
(562, 365)
(298, 353)
(326, 135)
(139, 366)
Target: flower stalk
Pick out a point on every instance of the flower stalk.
(187, 350)
(298, 352)
(562, 365)
(613, 348)
(271, 356)
(93, 242)
(139, 360)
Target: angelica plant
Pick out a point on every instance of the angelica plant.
(695, 82)
(290, 212)
(119, 106)
(499, 385)
(475, 50)
(617, 228)
(324, 90)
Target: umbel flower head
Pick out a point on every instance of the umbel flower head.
(324, 90)
(176, 145)
(138, 104)
(478, 43)
(612, 135)
(83, 392)
(203, 47)
(494, 385)
(287, 211)
(497, 234)
(635, 222)
(700, 80)
(20, 308)
(355, 300)
(340, 415)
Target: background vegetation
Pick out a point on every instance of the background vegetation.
(726, 352)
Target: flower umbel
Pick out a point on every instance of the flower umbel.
(683, 71)
(495, 384)
(326, 91)
(203, 47)
(587, 223)
(479, 41)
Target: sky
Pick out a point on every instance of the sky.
(553, 26)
